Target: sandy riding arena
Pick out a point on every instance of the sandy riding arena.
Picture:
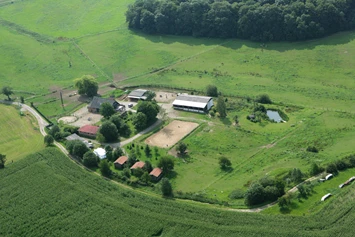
(171, 134)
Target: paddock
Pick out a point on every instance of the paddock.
(171, 134)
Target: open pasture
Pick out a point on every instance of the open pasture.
(171, 134)
(20, 135)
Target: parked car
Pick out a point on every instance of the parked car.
(130, 105)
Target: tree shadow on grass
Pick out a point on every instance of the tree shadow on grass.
(339, 38)
(226, 121)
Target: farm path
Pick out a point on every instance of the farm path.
(42, 124)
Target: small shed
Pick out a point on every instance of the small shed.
(156, 174)
(120, 162)
(100, 152)
(138, 164)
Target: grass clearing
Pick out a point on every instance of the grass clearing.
(20, 135)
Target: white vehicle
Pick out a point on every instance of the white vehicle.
(130, 105)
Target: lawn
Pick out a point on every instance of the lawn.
(47, 194)
(20, 135)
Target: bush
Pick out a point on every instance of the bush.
(211, 90)
(237, 194)
(341, 165)
(255, 195)
(263, 99)
(224, 163)
(90, 159)
(312, 149)
(331, 168)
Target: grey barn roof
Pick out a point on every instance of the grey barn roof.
(97, 101)
(73, 137)
(137, 93)
(192, 101)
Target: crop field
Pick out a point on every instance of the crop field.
(71, 201)
(19, 134)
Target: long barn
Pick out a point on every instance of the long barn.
(193, 103)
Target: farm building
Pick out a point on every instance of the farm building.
(100, 152)
(193, 103)
(94, 106)
(120, 162)
(137, 95)
(88, 131)
(156, 174)
(138, 164)
(75, 136)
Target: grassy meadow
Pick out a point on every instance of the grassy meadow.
(59, 198)
(20, 135)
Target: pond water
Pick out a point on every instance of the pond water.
(274, 115)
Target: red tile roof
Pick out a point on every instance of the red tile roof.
(89, 129)
(139, 164)
(121, 160)
(156, 172)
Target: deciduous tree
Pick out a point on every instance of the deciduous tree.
(90, 159)
(107, 110)
(212, 90)
(109, 131)
(105, 168)
(224, 163)
(181, 147)
(166, 187)
(87, 85)
(166, 164)
(6, 90)
(139, 121)
(2, 160)
(221, 107)
(48, 140)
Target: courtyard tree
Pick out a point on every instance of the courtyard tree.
(105, 168)
(48, 140)
(181, 148)
(166, 187)
(224, 163)
(107, 110)
(109, 131)
(139, 121)
(149, 108)
(77, 148)
(221, 107)
(90, 159)
(87, 85)
(2, 160)
(150, 95)
(166, 164)
(211, 90)
(6, 90)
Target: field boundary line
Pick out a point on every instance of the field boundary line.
(163, 68)
(93, 63)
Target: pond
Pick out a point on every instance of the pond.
(274, 115)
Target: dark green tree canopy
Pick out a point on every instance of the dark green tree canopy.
(87, 85)
(109, 131)
(48, 140)
(107, 110)
(139, 121)
(221, 107)
(166, 164)
(166, 187)
(90, 159)
(258, 20)
(2, 160)
(211, 90)
(6, 90)
(149, 108)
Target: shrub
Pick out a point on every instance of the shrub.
(211, 90)
(263, 99)
(237, 194)
(331, 168)
(312, 149)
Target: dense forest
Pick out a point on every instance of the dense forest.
(258, 20)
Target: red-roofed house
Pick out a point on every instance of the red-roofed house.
(119, 163)
(138, 164)
(156, 174)
(88, 131)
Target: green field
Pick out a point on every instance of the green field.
(20, 135)
(59, 198)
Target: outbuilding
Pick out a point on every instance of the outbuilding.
(100, 152)
(120, 162)
(138, 94)
(95, 104)
(88, 131)
(156, 174)
(193, 103)
(138, 164)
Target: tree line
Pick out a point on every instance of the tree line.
(258, 20)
